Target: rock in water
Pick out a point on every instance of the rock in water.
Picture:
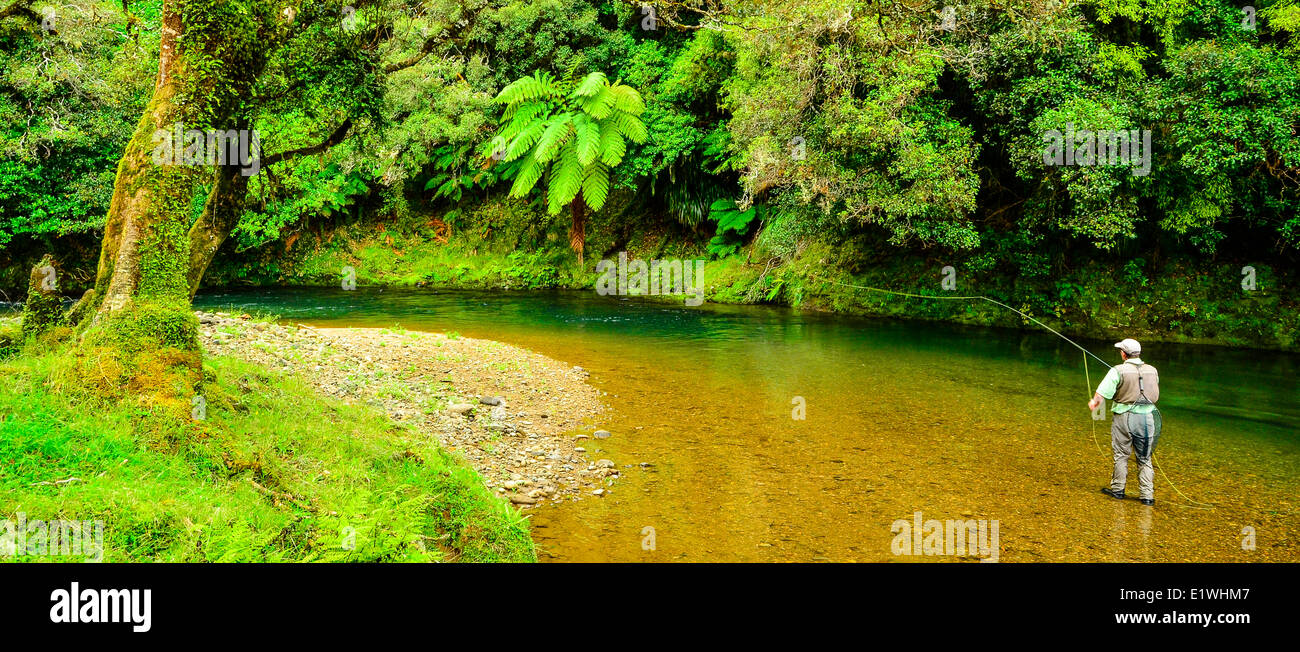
(601, 434)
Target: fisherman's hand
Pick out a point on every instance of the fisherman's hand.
(1092, 405)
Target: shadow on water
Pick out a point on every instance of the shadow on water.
(899, 417)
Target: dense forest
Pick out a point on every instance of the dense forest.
(800, 147)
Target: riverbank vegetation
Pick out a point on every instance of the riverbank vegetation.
(269, 470)
(796, 145)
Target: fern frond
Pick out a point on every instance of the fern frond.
(590, 85)
(529, 172)
(612, 147)
(595, 185)
(588, 138)
(600, 105)
(541, 85)
(523, 115)
(630, 126)
(627, 100)
(524, 141)
(558, 132)
(565, 181)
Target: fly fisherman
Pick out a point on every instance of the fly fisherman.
(1135, 386)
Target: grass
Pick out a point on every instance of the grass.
(274, 473)
(10, 336)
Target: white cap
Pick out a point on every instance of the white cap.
(1129, 346)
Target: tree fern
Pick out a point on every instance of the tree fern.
(570, 134)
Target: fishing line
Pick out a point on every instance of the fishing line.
(1088, 379)
(982, 298)
(1087, 375)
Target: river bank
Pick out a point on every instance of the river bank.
(264, 468)
(508, 412)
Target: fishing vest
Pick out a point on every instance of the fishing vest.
(1139, 384)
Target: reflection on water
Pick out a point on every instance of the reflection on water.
(959, 423)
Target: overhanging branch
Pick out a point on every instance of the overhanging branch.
(21, 8)
(333, 139)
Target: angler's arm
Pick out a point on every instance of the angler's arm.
(1106, 390)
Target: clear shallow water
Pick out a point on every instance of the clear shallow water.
(956, 423)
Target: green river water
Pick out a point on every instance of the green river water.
(901, 417)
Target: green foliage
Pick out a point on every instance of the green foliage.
(11, 337)
(323, 192)
(452, 176)
(864, 131)
(844, 110)
(573, 133)
(733, 225)
(68, 104)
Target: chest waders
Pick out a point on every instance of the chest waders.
(1134, 432)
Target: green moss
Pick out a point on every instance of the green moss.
(40, 313)
(43, 308)
(148, 324)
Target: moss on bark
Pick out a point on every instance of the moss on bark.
(44, 305)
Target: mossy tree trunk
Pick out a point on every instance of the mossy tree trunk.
(42, 308)
(143, 248)
(138, 312)
(215, 223)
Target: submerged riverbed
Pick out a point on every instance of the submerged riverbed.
(900, 417)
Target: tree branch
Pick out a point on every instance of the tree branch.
(21, 8)
(333, 139)
(451, 33)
